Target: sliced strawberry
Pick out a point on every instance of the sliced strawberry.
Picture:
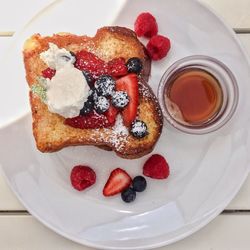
(118, 181)
(87, 61)
(129, 84)
(48, 73)
(90, 121)
(156, 167)
(117, 67)
(111, 114)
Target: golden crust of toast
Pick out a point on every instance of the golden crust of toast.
(50, 132)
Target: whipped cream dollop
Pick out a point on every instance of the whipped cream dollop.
(67, 91)
(57, 58)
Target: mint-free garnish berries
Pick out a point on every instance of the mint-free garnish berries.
(128, 195)
(146, 25)
(134, 65)
(158, 47)
(156, 167)
(48, 73)
(82, 177)
(118, 181)
(139, 183)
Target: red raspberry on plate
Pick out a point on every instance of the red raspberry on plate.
(82, 177)
(158, 47)
(48, 73)
(156, 167)
(146, 25)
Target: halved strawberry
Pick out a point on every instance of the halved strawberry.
(118, 181)
(87, 61)
(129, 84)
(90, 121)
(111, 114)
(117, 67)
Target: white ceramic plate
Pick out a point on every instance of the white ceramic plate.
(206, 171)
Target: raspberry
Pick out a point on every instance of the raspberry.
(117, 67)
(145, 25)
(82, 177)
(48, 73)
(156, 167)
(158, 47)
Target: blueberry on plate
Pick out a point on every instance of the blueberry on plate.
(128, 195)
(139, 184)
(120, 99)
(89, 78)
(139, 129)
(101, 104)
(88, 106)
(105, 85)
(134, 65)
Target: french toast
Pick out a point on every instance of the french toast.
(50, 131)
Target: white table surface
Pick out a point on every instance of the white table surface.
(19, 230)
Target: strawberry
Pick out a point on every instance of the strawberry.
(90, 121)
(118, 181)
(129, 84)
(87, 61)
(117, 67)
(82, 177)
(111, 114)
(48, 73)
(156, 167)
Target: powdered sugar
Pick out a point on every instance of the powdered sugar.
(119, 134)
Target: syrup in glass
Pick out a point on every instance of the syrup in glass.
(194, 96)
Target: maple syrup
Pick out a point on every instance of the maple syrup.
(195, 96)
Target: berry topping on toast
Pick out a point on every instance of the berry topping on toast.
(120, 99)
(139, 129)
(112, 70)
(87, 61)
(90, 121)
(48, 73)
(129, 84)
(117, 67)
(134, 65)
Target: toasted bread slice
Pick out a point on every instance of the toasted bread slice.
(50, 132)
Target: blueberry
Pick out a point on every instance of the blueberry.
(134, 65)
(128, 195)
(139, 129)
(89, 78)
(139, 183)
(105, 85)
(88, 106)
(101, 104)
(120, 99)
